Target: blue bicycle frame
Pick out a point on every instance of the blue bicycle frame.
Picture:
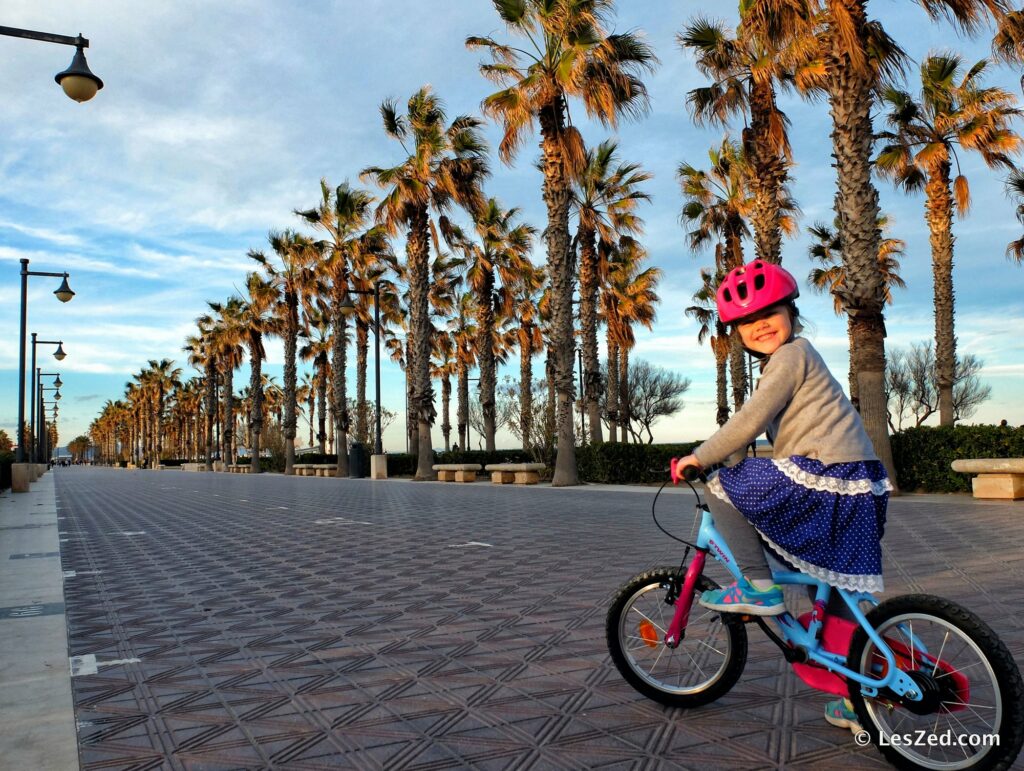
(710, 541)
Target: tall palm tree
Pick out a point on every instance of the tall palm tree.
(502, 253)
(629, 299)
(465, 339)
(203, 355)
(163, 378)
(717, 204)
(828, 250)
(291, 278)
(317, 349)
(570, 54)
(257, 320)
(745, 69)
(1015, 189)
(526, 290)
(227, 333)
(444, 165)
(606, 197)
(851, 78)
(955, 110)
(705, 313)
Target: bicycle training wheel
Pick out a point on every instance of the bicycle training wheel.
(705, 665)
(971, 715)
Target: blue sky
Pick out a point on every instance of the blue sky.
(218, 119)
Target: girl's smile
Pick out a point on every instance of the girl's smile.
(765, 332)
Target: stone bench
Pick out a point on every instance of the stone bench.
(997, 477)
(515, 473)
(238, 468)
(314, 469)
(457, 472)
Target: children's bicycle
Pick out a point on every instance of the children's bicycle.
(932, 685)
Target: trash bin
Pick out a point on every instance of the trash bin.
(358, 461)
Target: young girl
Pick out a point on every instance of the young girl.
(819, 503)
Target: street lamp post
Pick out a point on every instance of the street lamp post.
(77, 80)
(42, 437)
(347, 307)
(59, 356)
(64, 294)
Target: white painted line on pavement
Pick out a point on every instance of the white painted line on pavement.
(469, 543)
(88, 665)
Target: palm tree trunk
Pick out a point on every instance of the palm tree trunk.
(485, 356)
(362, 406)
(211, 387)
(446, 398)
(290, 379)
(556, 198)
(769, 172)
(939, 214)
(256, 396)
(613, 388)
(737, 370)
(321, 405)
(852, 376)
(462, 407)
(526, 386)
(624, 405)
(311, 409)
(228, 431)
(850, 100)
(339, 362)
(418, 258)
(720, 345)
(588, 328)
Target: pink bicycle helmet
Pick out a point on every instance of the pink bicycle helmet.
(753, 287)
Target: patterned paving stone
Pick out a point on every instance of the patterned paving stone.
(268, 622)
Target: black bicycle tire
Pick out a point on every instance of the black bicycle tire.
(737, 638)
(1011, 732)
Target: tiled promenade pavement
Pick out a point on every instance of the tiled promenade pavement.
(268, 622)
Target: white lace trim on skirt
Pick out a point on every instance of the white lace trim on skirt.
(854, 582)
(831, 484)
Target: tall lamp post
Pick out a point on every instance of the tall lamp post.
(348, 307)
(64, 294)
(42, 437)
(77, 80)
(59, 355)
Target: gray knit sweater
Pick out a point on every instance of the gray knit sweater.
(802, 408)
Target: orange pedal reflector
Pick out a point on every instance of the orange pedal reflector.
(648, 633)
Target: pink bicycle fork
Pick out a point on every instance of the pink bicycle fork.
(685, 600)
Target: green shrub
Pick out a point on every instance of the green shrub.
(316, 457)
(401, 464)
(617, 464)
(6, 461)
(923, 455)
(483, 457)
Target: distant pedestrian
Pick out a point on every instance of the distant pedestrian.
(1003, 423)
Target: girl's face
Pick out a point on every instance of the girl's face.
(764, 332)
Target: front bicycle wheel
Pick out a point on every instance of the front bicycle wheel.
(971, 714)
(704, 666)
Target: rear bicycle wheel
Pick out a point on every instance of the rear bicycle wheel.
(971, 715)
(703, 667)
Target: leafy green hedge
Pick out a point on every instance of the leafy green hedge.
(923, 455)
(401, 464)
(483, 457)
(628, 463)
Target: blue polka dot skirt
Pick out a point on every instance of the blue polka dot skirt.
(827, 520)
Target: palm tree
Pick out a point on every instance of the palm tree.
(203, 355)
(465, 339)
(705, 313)
(831, 276)
(227, 332)
(318, 350)
(526, 290)
(291, 280)
(606, 198)
(851, 77)
(257, 320)
(954, 110)
(717, 204)
(572, 56)
(163, 377)
(502, 253)
(629, 299)
(745, 70)
(444, 165)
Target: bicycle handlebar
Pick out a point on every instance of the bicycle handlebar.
(686, 473)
